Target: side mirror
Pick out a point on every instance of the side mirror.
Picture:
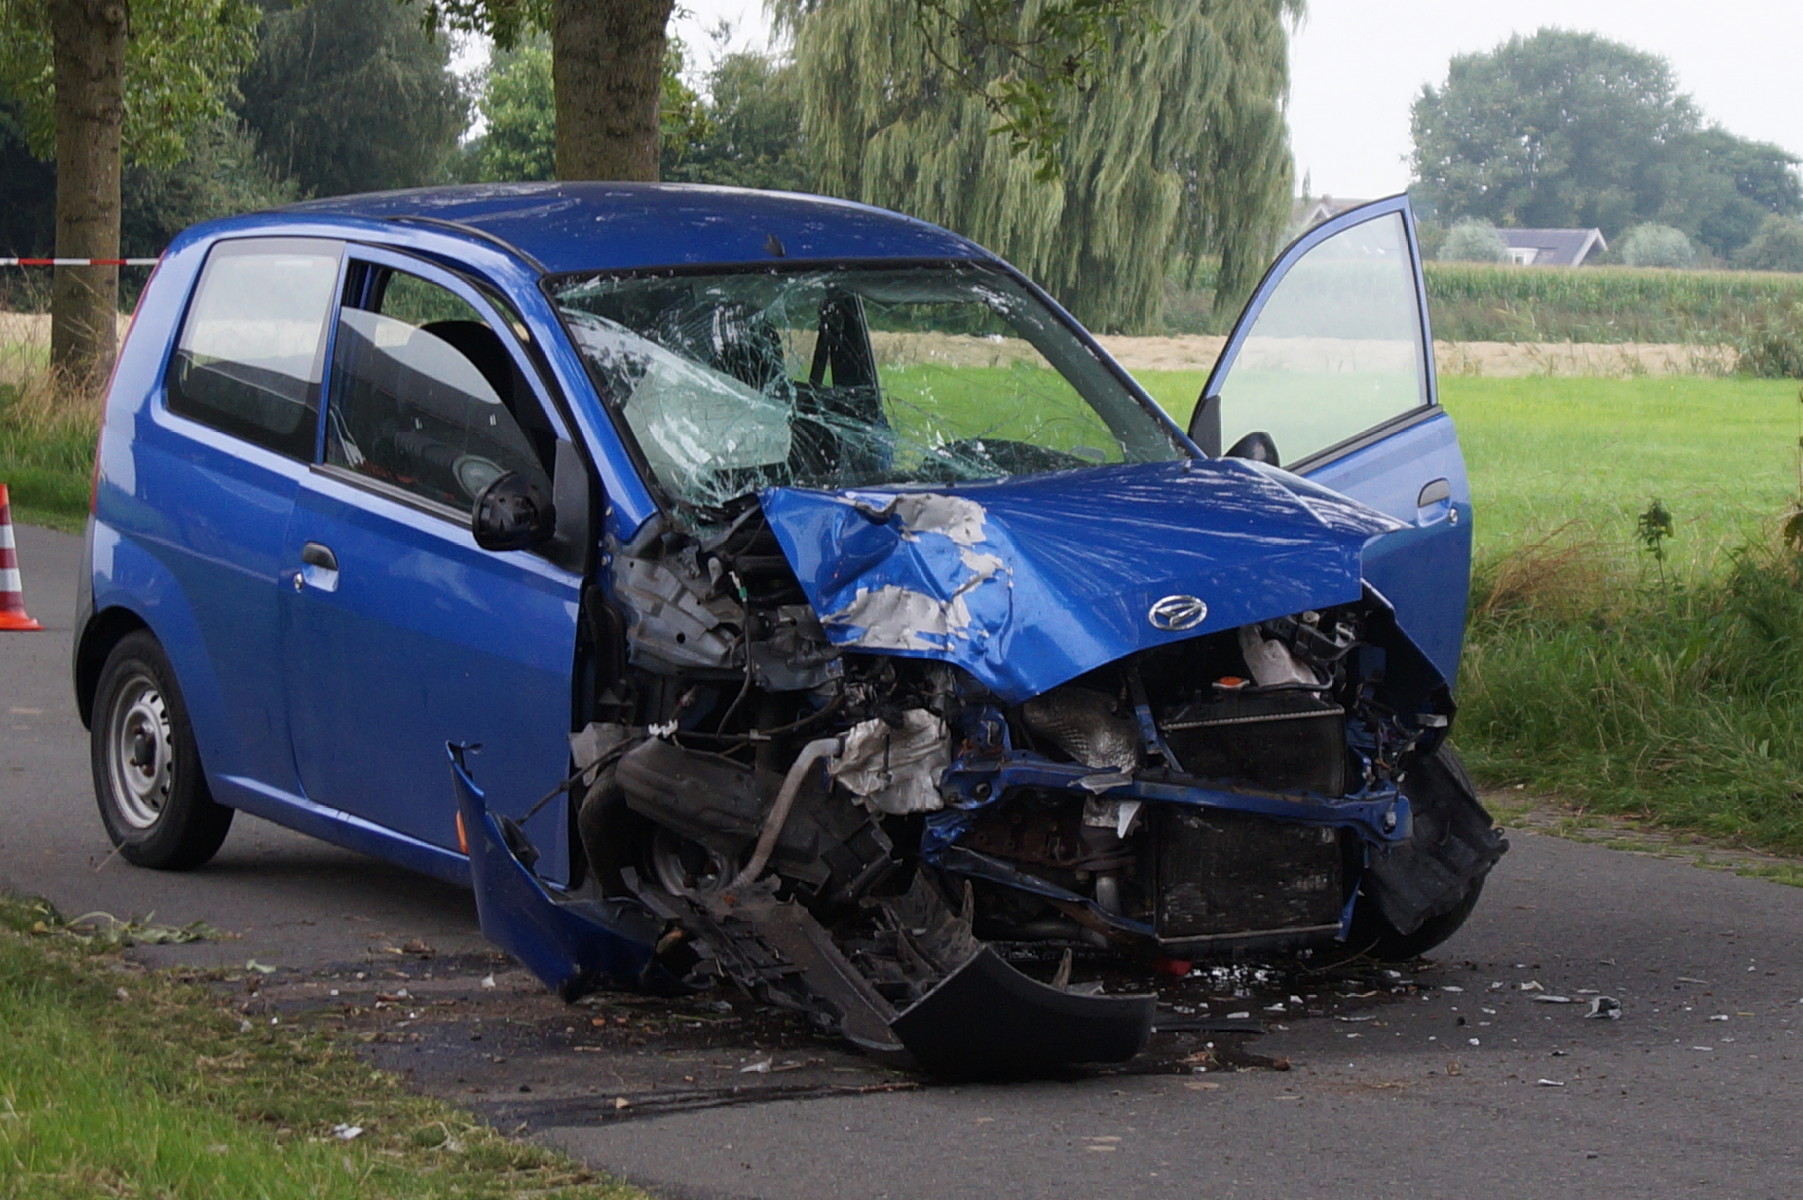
(1257, 446)
(512, 513)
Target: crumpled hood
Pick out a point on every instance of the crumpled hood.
(1031, 581)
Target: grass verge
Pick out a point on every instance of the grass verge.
(1677, 702)
(46, 452)
(116, 1081)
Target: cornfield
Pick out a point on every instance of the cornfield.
(1484, 302)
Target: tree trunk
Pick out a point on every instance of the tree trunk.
(607, 66)
(89, 73)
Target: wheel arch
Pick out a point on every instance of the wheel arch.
(104, 630)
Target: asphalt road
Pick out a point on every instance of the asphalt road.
(1465, 1082)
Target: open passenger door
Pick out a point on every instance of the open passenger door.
(1329, 373)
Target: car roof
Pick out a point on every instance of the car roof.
(566, 227)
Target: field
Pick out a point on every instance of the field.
(1483, 302)
(1585, 455)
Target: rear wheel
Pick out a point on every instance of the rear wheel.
(153, 797)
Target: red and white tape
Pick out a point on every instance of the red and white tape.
(78, 262)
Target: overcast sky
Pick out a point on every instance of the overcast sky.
(1356, 66)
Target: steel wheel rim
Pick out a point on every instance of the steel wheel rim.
(140, 752)
(686, 868)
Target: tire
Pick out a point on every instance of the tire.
(152, 794)
(1446, 809)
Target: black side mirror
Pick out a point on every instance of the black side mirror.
(512, 513)
(1257, 446)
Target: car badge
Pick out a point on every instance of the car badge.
(1173, 614)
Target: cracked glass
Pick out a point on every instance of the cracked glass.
(848, 377)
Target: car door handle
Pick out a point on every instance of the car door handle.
(1434, 503)
(319, 568)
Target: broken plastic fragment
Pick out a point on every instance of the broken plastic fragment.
(1606, 1007)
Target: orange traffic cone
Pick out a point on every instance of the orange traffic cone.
(12, 600)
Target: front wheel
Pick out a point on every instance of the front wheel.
(1420, 893)
(153, 797)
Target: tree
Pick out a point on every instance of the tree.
(519, 139)
(1571, 129)
(1472, 240)
(221, 172)
(751, 135)
(1654, 245)
(93, 76)
(1191, 160)
(516, 102)
(607, 74)
(1554, 129)
(1734, 186)
(607, 55)
(352, 96)
(1778, 246)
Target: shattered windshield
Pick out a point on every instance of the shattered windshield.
(848, 377)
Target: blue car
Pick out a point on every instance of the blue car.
(734, 586)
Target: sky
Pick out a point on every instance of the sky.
(1357, 65)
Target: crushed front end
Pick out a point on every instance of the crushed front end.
(941, 767)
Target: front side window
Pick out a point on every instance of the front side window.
(426, 397)
(1337, 349)
(848, 377)
(248, 360)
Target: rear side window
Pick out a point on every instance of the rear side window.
(249, 361)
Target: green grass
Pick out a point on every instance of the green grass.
(1586, 455)
(116, 1082)
(1669, 692)
(1678, 702)
(46, 456)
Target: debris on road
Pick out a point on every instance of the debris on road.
(1606, 1007)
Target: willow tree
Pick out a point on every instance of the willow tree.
(1174, 148)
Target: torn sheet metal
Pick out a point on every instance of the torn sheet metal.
(895, 770)
(1030, 581)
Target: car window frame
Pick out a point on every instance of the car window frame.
(248, 243)
(1300, 247)
(492, 308)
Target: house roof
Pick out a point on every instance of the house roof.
(1321, 208)
(1552, 247)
